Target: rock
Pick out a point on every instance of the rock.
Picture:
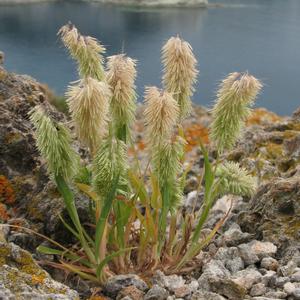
(296, 277)
(258, 290)
(269, 263)
(212, 271)
(276, 295)
(246, 278)
(247, 254)
(234, 236)
(262, 249)
(289, 288)
(156, 293)
(131, 292)
(281, 281)
(171, 282)
(22, 278)
(275, 212)
(268, 278)
(230, 258)
(1, 58)
(116, 283)
(296, 294)
(203, 295)
(229, 288)
(288, 269)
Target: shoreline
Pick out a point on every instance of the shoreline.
(127, 3)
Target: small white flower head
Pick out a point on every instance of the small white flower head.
(235, 180)
(161, 115)
(121, 77)
(109, 162)
(232, 108)
(180, 73)
(88, 102)
(86, 50)
(54, 143)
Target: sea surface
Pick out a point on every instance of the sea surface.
(258, 36)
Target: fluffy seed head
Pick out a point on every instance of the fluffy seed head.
(180, 72)
(161, 115)
(235, 180)
(86, 50)
(121, 76)
(88, 102)
(233, 106)
(110, 161)
(54, 143)
(167, 166)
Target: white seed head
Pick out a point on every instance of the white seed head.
(232, 108)
(167, 166)
(235, 180)
(161, 115)
(121, 76)
(54, 143)
(86, 50)
(88, 102)
(109, 162)
(180, 72)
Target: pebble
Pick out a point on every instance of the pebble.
(276, 295)
(156, 293)
(258, 289)
(289, 288)
(116, 283)
(263, 249)
(269, 263)
(248, 256)
(281, 281)
(295, 277)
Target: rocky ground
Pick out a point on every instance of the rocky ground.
(256, 255)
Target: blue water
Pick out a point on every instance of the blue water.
(261, 36)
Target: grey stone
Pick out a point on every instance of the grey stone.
(204, 295)
(296, 294)
(289, 268)
(228, 288)
(269, 263)
(247, 254)
(246, 278)
(230, 258)
(276, 295)
(234, 236)
(213, 270)
(258, 289)
(269, 278)
(116, 283)
(171, 282)
(295, 277)
(156, 293)
(289, 288)
(262, 249)
(281, 281)
(22, 278)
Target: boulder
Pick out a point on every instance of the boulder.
(22, 278)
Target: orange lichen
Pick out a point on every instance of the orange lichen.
(7, 194)
(97, 298)
(37, 279)
(261, 116)
(192, 135)
(4, 216)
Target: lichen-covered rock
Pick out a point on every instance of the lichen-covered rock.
(274, 213)
(21, 278)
